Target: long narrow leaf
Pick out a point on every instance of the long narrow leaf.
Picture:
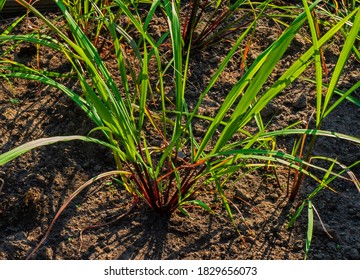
(310, 229)
(22, 149)
(317, 59)
(291, 73)
(343, 58)
(255, 78)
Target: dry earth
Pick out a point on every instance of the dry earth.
(34, 186)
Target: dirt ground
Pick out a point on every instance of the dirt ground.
(34, 186)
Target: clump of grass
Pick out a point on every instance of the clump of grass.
(208, 22)
(324, 107)
(167, 173)
(85, 16)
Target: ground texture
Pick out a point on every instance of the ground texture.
(34, 186)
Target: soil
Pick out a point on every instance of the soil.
(34, 186)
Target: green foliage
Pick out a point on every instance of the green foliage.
(146, 119)
(207, 22)
(2, 3)
(323, 105)
(85, 16)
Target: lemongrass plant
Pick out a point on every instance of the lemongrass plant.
(86, 18)
(208, 22)
(167, 174)
(324, 106)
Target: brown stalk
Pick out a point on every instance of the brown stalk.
(317, 28)
(185, 188)
(244, 56)
(200, 162)
(145, 188)
(298, 179)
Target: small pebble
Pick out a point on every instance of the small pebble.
(352, 211)
(300, 101)
(242, 195)
(226, 235)
(270, 110)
